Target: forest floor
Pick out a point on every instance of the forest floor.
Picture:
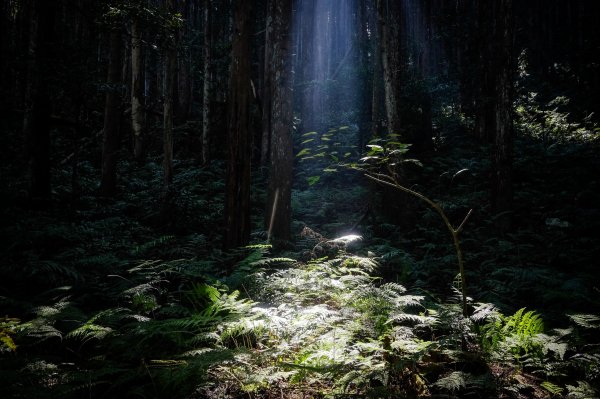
(132, 296)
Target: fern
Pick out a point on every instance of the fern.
(453, 382)
(552, 388)
(588, 321)
(8, 328)
(582, 390)
(514, 334)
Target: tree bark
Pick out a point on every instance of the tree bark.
(239, 142)
(377, 83)
(36, 120)
(169, 87)
(112, 115)
(137, 90)
(207, 87)
(485, 94)
(502, 189)
(389, 20)
(267, 94)
(279, 210)
(185, 82)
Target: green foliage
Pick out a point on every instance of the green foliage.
(320, 154)
(515, 334)
(7, 330)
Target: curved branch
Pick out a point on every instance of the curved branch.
(392, 181)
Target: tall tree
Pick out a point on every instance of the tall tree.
(267, 94)
(389, 21)
(137, 88)
(170, 69)
(239, 142)
(485, 92)
(279, 210)
(112, 115)
(207, 85)
(185, 83)
(502, 185)
(36, 121)
(377, 83)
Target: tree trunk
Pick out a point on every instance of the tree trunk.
(184, 71)
(279, 211)
(377, 89)
(112, 116)
(239, 142)
(36, 120)
(267, 94)
(365, 96)
(137, 90)
(207, 87)
(502, 189)
(485, 94)
(169, 78)
(389, 20)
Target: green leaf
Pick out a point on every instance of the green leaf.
(304, 151)
(375, 148)
(313, 180)
(7, 341)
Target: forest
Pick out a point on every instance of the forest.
(299, 199)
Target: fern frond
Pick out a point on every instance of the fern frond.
(589, 321)
(583, 390)
(485, 311)
(88, 332)
(455, 381)
(552, 388)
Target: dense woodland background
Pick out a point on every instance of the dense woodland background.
(299, 199)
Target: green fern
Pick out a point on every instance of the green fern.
(8, 328)
(453, 382)
(514, 334)
(552, 388)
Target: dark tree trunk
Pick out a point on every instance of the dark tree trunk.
(207, 87)
(36, 121)
(377, 83)
(279, 207)
(485, 94)
(112, 116)
(184, 72)
(267, 94)
(239, 142)
(137, 90)
(365, 113)
(169, 94)
(389, 20)
(502, 189)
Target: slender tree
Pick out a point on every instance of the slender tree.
(207, 85)
(502, 189)
(137, 88)
(377, 83)
(279, 210)
(36, 121)
(267, 94)
(239, 142)
(112, 115)
(185, 83)
(389, 21)
(170, 70)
